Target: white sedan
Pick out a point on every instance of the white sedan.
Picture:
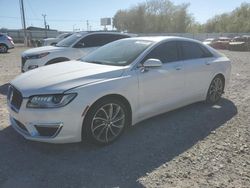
(116, 86)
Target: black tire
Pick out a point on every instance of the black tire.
(215, 90)
(3, 48)
(101, 130)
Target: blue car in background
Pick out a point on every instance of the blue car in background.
(6, 43)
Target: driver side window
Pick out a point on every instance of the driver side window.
(166, 52)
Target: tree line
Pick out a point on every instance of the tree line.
(163, 16)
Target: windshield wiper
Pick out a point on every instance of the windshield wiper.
(96, 62)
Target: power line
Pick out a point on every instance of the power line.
(52, 20)
(32, 10)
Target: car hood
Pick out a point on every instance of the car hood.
(58, 78)
(42, 50)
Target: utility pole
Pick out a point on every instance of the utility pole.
(87, 22)
(45, 24)
(44, 20)
(23, 22)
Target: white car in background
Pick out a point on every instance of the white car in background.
(118, 85)
(54, 41)
(209, 41)
(73, 47)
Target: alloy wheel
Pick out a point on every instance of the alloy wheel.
(108, 122)
(215, 90)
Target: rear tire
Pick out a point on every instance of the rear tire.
(215, 90)
(3, 48)
(106, 121)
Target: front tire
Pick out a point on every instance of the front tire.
(106, 121)
(215, 90)
(3, 48)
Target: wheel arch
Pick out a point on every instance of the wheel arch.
(4, 44)
(57, 60)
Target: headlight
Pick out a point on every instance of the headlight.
(37, 56)
(50, 101)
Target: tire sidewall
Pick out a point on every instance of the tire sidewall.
(208, 99)
(4, 46)
(90, 115)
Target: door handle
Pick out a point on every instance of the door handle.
(178, 68)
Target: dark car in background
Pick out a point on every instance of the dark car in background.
(240, 43)
(6, 43)
(221, 43)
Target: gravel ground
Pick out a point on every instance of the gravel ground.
(195, 146)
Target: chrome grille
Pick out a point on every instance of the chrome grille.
(23, 63)
(15, 98)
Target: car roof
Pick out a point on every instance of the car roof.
(163, 38)
(103, 32)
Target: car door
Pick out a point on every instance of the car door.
(161, 88)
(197, 65)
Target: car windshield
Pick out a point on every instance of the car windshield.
(61, 35)
(119, 53)
(67, 42)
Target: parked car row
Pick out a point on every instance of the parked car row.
(97, 95)
(239, 43)
(6, 43)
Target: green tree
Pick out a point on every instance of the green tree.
(154, 16)
(235, 21)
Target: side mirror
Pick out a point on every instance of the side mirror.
(151, 63)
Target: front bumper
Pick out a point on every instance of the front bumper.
(59, 125)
